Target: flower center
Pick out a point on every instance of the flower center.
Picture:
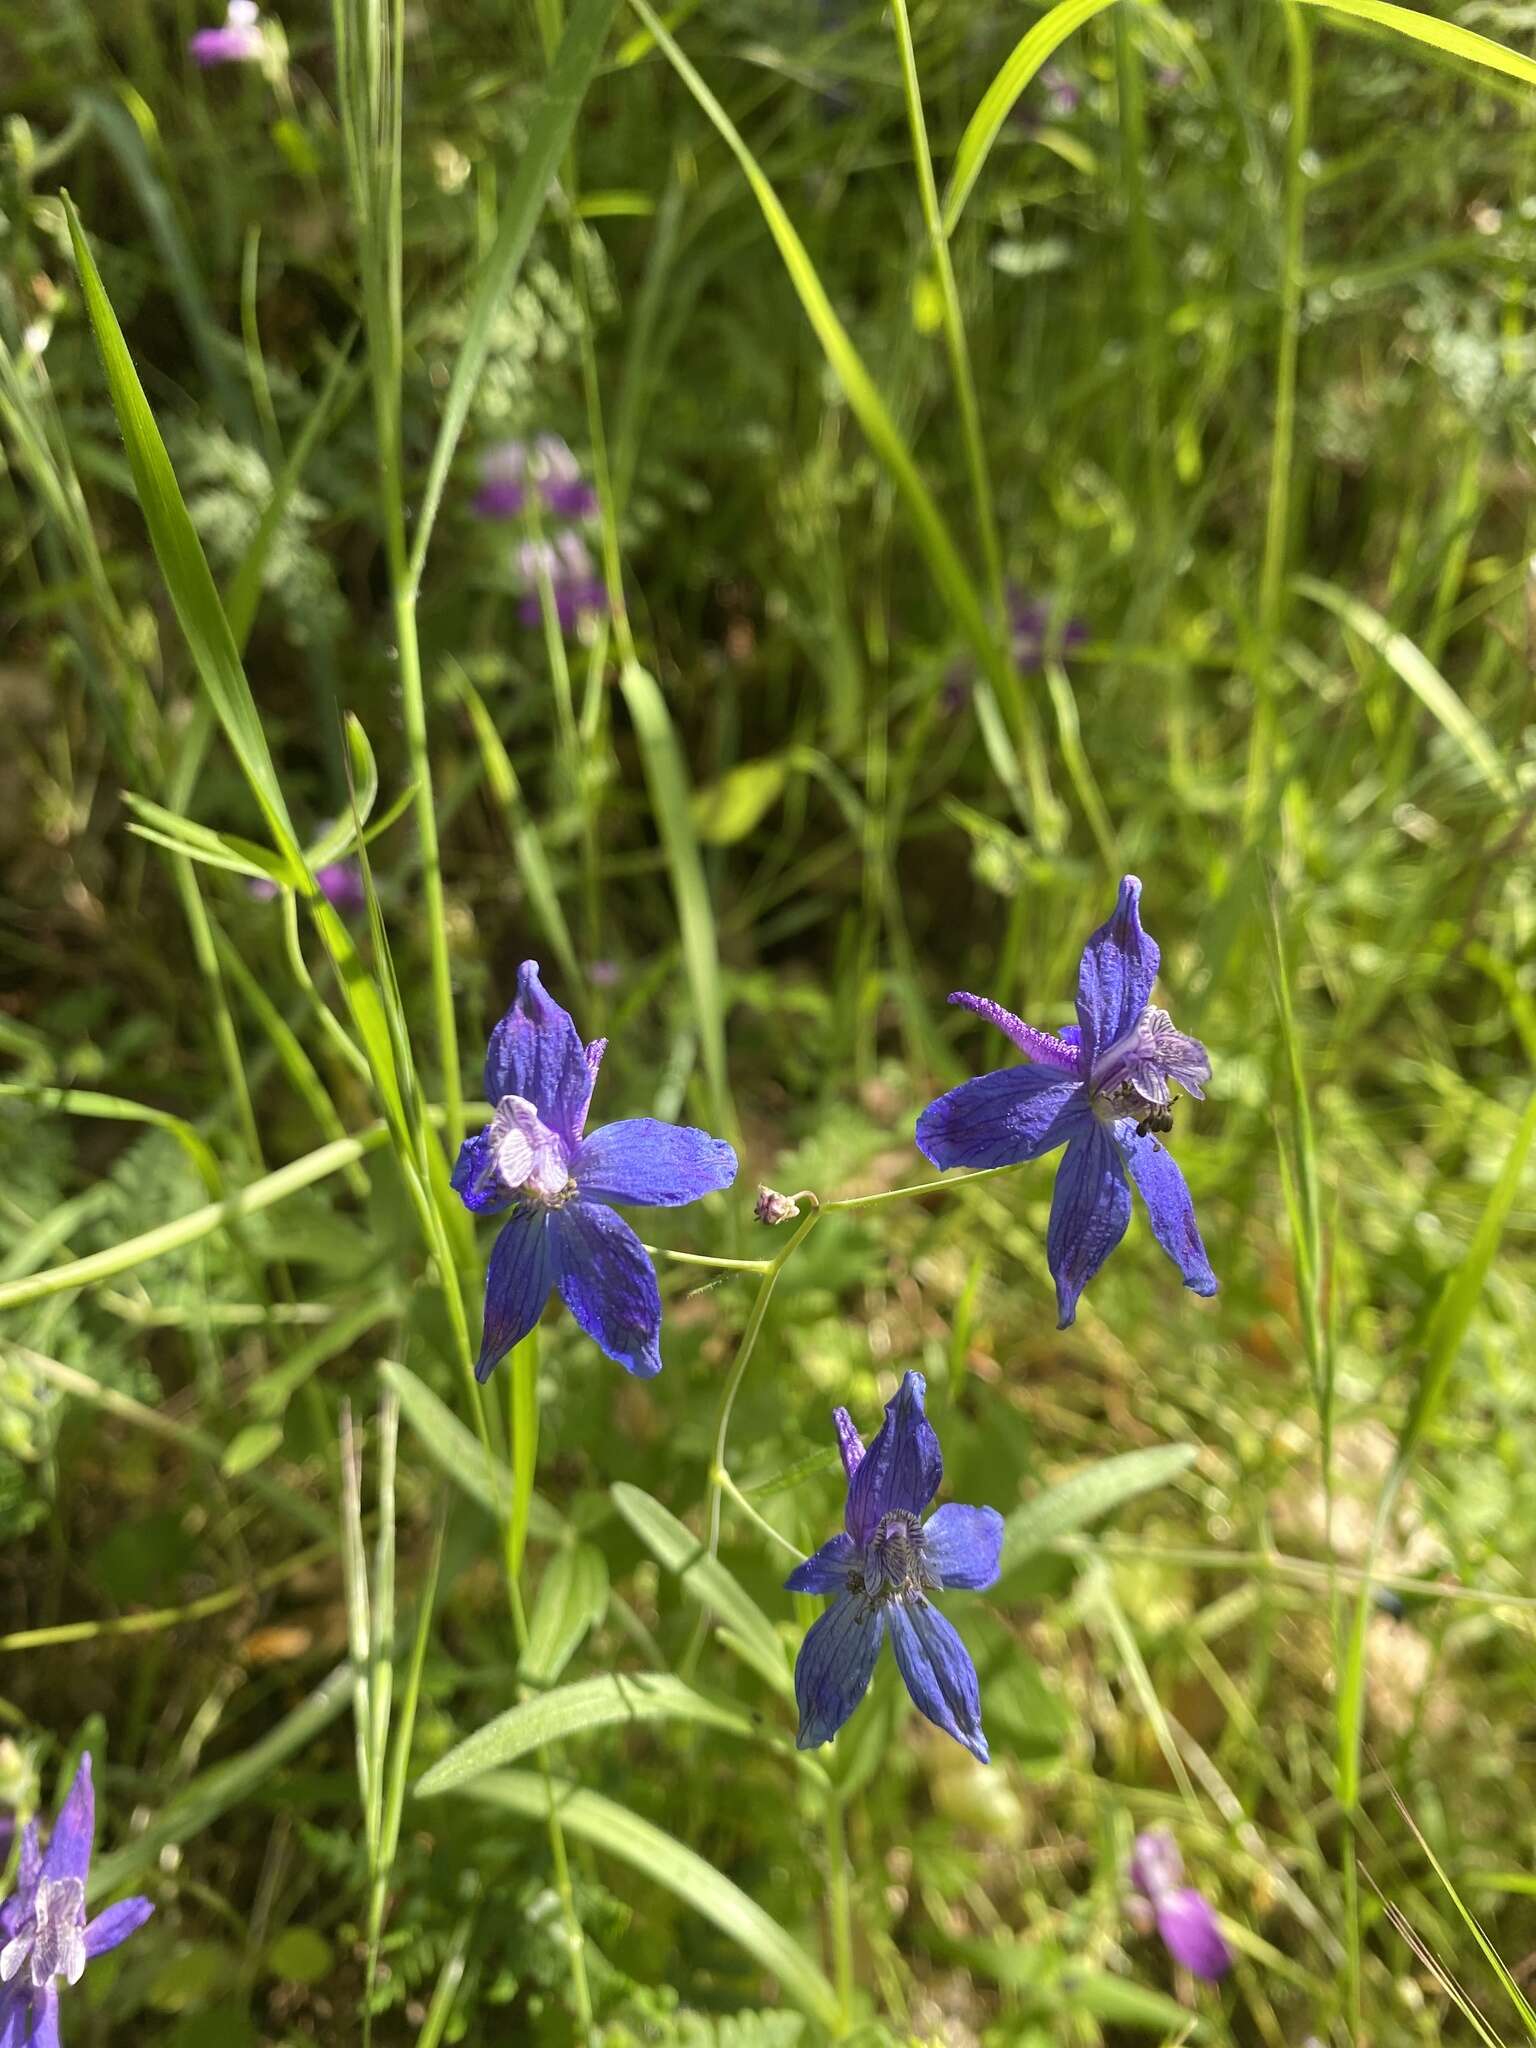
(1132, 1076)
(52, 1943)
(526, 1156)
(892, 1566)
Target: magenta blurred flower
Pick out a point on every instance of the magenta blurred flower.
(547, 463)
(341, 884)
(238, 41)
(574, 583)
(1034, 634)
(1185, 1921)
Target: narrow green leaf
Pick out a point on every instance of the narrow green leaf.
(707, 1580)
(1439, 35)
(201, 842)
(460, 1455)
(572, 1597)
(244, 592)
(1447, 1330)
(1074, 1502)
(615, 1699)
(727, 810)
(527, 847)
(549, 133)
(1034, 48)
(666, 776)
(364, 777)
(179, 552)
(1414, 668)
(222, 1787)
(665, 1861)
(523, 1396)
(198, 1223)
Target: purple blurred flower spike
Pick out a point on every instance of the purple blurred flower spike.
(1101, 1088)
(537, 1159)
(238, 40)
(881, 1567)
(45, 1938)
(1185, 1921)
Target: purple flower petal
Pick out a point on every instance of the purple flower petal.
(28, 1869)
(474, 1178)
(1156, 1865)
(116, 1924)
(341, 883)
(938, 1672)
(1115, 980)
(1090, 1207)
(608, 1283)
(659, 1166)
(827, 1570)
(901, 1470)
(1191, 1933)
(833, 1669)
(517, 1283)
(1166, 1194)
(849, 1443)
(1002, 1119)
(500, 498)
(569, 498)
(29, 2018)
(963, 1547)
(68, 1853)
(227, 45)
(1035, 1045)
(535, 1052)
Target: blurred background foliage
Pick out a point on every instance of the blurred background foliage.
(1249, 720)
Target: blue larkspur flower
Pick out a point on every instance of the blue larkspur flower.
(1101, 1089)
(536, 1158)
(44, 1934)
(882, 1567)
(1185, 1920)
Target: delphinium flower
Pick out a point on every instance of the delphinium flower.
(578, 591)
(881, 1568)
(535, 1158)
(238, 39)
(1102, 1088)
(44, 1934)
(1185, 1921)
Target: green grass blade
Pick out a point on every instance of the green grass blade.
(549, 135)
(523, 1421)
(666, 776)
(1438, 35)
(1413, 667)
(1033, 49)
(1073, 1503)
(613, 1700)
(184, 1230)
(660, 1857)
(180, 554)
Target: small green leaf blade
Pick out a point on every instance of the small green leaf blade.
(707, 1580)
(572, 1597)
(1086, 1496)
(660, 1857)
(615, 1699)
